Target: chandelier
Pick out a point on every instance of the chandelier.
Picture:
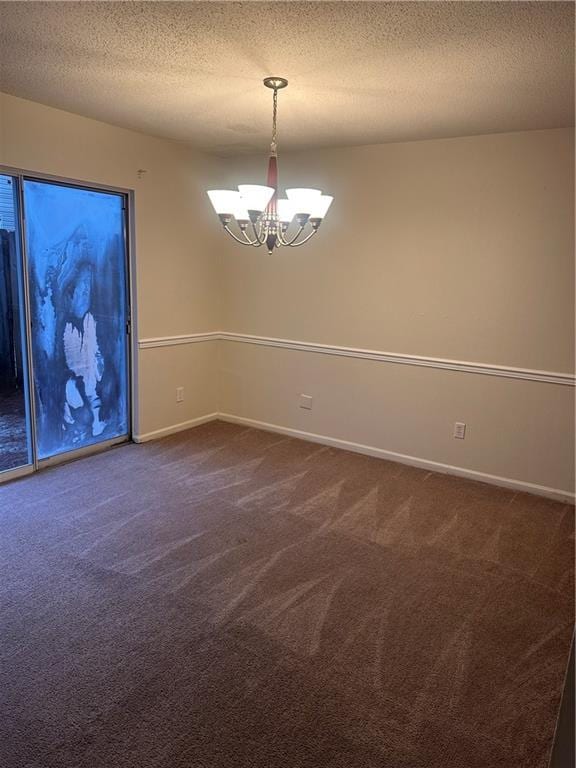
(254, 215)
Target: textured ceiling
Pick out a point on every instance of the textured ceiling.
(359, 72)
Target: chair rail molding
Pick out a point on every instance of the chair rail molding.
(394, 358)
(172, 341)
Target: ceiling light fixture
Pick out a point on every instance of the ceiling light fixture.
(261, 217)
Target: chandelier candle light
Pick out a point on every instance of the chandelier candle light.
(261, 217)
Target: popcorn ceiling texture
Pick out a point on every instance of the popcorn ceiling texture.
(360, 73)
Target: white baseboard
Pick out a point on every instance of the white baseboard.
(172, 429)
(434, 466)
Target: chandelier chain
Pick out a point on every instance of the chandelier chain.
(273, 145)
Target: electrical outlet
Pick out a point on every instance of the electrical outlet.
(306, 402)
(179, 394)
(459, 430)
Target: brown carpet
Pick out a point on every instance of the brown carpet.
(228, 598)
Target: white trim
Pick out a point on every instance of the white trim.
(434, 466)
(171, 341)
(548, 377)
(461, 366)
(173, 428)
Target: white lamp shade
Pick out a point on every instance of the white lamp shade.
(225, 201)
(255, 197)
(241, 213)
(303, 199)
(286, 211)
(320, 206)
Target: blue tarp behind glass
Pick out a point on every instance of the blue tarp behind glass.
(77, 272)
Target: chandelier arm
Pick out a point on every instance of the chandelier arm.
(257, 231)
(257, 243)
(305, 240)
(296, 236)
(259, 234)
(238, 239)
(247, 239)
(281, 239)
(254, 242)
(264, 230)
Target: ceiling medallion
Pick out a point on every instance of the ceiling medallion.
(261, 218)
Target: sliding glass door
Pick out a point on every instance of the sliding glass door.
(73, 272)
(77, 264)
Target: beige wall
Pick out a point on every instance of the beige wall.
(176, 244)
(460, 249)
(517, 430)
(455, 248)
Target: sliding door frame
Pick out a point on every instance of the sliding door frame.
(127, 195)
